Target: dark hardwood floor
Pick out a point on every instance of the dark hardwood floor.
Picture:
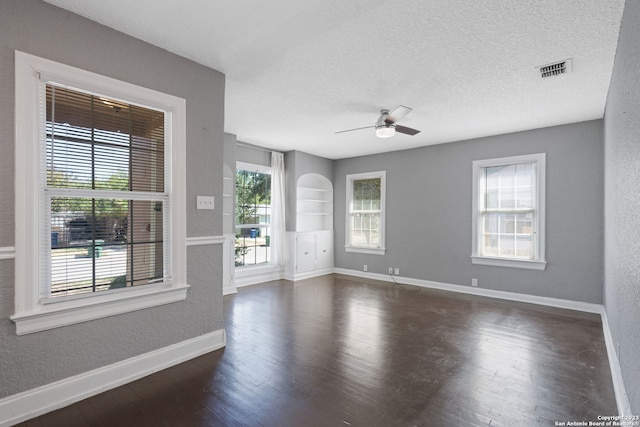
(343, 351)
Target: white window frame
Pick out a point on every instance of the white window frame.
(348, 247)
(538, 262)
(269, 266)
(33, 312)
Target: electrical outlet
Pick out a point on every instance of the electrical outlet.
(474, 282)
(391, 271)
(205, 202)
(364, 268)
(397, 272)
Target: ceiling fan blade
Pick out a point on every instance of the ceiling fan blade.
(398, 113)
(349, 130)
(406, 130)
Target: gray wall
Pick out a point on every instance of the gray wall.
(36, 359)
(428, 223)
(622, 202)
(252, 154)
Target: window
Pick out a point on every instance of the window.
(508, 212)
(365, 213)
(104, 193)
(253, 215)
(106, 233)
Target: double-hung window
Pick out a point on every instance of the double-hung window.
(99, 196)
(508, 212)
(253, 215)
(365, 213)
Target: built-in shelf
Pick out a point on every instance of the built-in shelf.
(314, 198)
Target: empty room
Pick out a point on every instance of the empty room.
(307, 213)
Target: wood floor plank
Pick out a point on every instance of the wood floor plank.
(340, 351)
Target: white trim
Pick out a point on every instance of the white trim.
(228, 264)
(308, 274)
(539, 263)
(349, 204)
(33, 403)
(509, 296)
(529, 264)
(622, 400)
(252, 275)
(79, 310)
(370, 251)
(205, 240)
(229, 290)
(253, 167)
(30, 312)
(7, 252)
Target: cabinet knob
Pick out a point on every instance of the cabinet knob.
(306, 253)
(324, 250)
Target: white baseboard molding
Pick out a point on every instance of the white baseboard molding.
(256, 275)
(228, 290)
(308, 274)
(510, 296)
(33, 403)
(624, 408)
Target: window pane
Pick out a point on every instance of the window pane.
(94, 142)
(101, 244)
(509, 187)
(366, 194)
(508, 235)
(366, 205)
(253, 216)
(365, 230)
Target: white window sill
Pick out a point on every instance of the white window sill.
(510, 263)
(70, 311)
(371, 251)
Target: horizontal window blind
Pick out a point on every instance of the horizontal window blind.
(104, 189)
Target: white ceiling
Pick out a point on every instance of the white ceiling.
(299, 70)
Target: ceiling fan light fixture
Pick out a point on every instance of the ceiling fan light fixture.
(385, 131)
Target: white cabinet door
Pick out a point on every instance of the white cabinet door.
(305, 252)
(324, 245)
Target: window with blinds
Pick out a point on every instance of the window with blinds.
(104, 193)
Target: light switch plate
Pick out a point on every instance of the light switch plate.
(205, 202)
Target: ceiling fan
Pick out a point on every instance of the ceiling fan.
(386, 125)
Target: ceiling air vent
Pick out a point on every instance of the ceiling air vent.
(555, 69)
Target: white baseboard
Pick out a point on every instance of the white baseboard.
(228, 290)
(624, 408)
(33, 403)
(308, 274)
(255, 275)
(510, 296)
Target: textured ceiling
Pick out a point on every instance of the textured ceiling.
(298, 71)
